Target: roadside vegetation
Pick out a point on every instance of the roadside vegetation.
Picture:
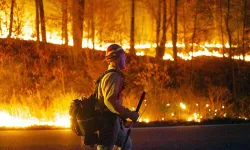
(41, 83)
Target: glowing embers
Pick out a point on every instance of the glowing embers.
(183, 106)
(196, 118)
(140, 53)
(146, 120)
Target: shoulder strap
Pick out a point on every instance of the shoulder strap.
(106, 72)
(100, 78)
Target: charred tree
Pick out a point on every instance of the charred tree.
(65, 22)
(132, 29)
(174, 32)
(193, 38)
(78, 18)
(161, 50)
(92, 24)
(228, 30)
(184, 25)
(231, 61)
(37, 22)
(77, 27)
(221, 29)
(158, 28)
(11, 17)
(244, 17)
(42, 19)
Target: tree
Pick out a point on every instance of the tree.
(184, 10)
(158, 11)
(160, 48)
(11, 17)
(89, 18)
(193, 38)
(37, 21)
(158, 27)
(77, 21)
(221, 29)
(174, 32)
(42, 19)
(92, 24)
(233, 82)
(107, 20)
(65, 22)
(132, 29)
(19, 15)
(164, 30)
(244, 17)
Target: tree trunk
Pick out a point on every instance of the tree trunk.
(92, 24)
(184, 25)
(78, 18)
(174, 34)
(193, 37)
(222, 31)
(164, 31)
(244, 28)
(132, 29)
(228, 30)
(88, 32)
(158, 26)
(77, 31)
(37, 22)
(233, 82)
(42, 17)
(0, 27)
(11, 17)
(65, 22)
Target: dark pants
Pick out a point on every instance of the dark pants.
(111, 132)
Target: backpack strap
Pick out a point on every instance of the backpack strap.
(100, 78)
(106, 72)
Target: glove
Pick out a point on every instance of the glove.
(133, 115)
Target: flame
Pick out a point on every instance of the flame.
(146, 120)
(140, 53)
(28, 32)
(196, 117)
(10, 121)
(183, 106)
(54, 36)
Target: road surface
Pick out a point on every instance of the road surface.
(210, 137)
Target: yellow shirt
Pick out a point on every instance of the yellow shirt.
(109, 93)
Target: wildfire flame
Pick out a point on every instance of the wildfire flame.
(27, 33)
(10, 121)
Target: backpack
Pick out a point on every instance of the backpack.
(83, 115)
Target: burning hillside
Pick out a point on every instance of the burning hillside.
(38, 90)
(39, 79)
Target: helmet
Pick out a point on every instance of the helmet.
(113, 51)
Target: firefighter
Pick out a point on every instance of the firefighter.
(111, 129)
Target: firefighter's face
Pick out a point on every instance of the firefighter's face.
(122, 61)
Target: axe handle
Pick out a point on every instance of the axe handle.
(137, 110)
(140, 102)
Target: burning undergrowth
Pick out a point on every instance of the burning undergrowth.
(38, 84)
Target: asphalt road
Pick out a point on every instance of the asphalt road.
(212, 137)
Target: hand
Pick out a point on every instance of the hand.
(133, 116)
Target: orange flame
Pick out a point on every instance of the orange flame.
(10, 121)
(62, 120)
